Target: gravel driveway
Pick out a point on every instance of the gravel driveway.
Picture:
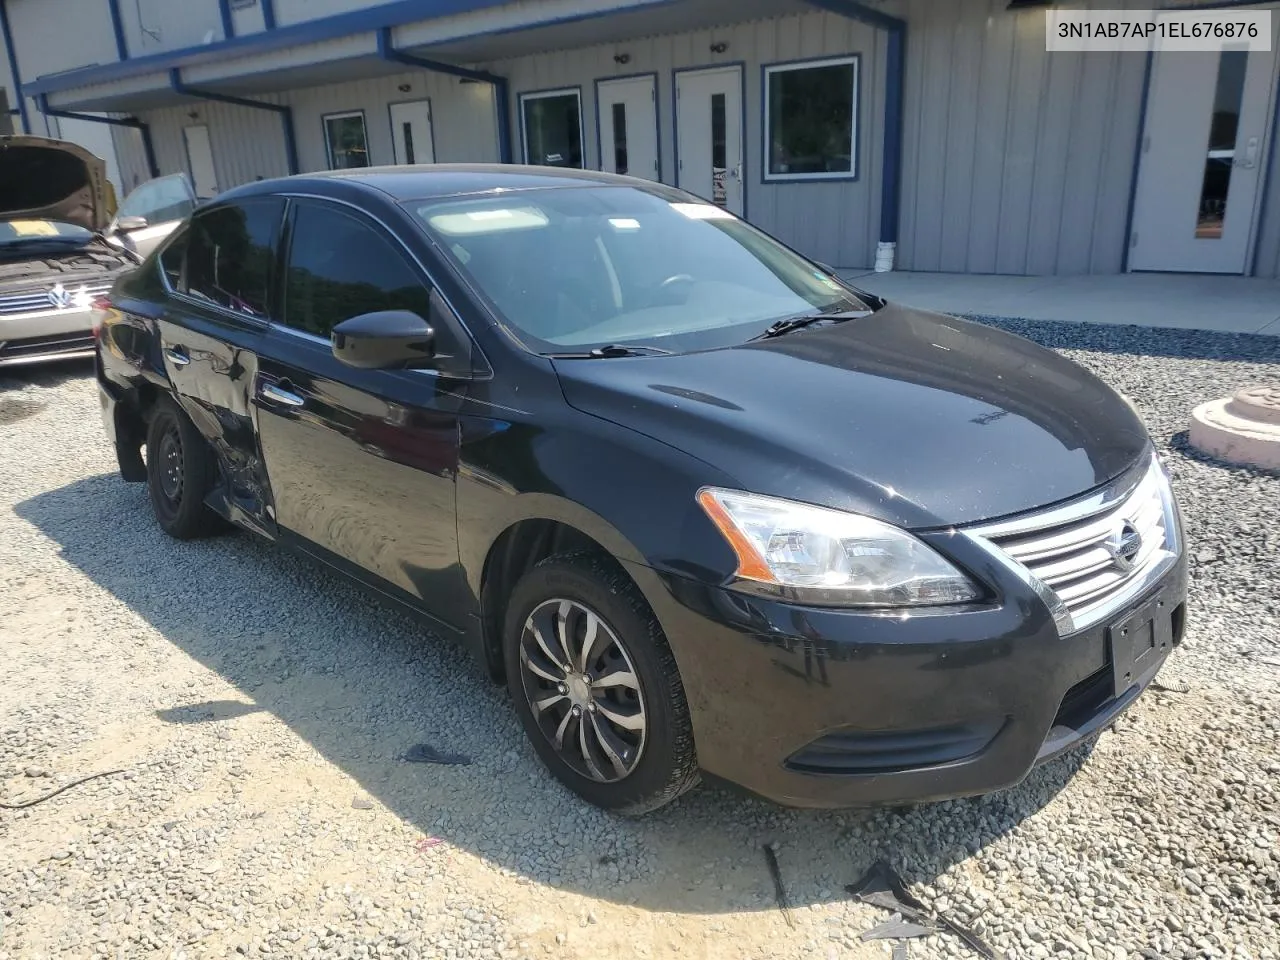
(258, 706)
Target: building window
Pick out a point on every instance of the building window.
(346, 140)
(811, 120)
(552, 126)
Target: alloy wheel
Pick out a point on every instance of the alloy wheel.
(583, 690)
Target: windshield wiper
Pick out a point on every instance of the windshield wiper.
(612, 350)
(787, 324)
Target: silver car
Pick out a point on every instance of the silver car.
(60, 249)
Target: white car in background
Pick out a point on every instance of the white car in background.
(60, 247)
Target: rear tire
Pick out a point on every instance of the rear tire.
(619, 712)
(180, 473)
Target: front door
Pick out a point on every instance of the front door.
(709, 135)
(163, 203)
(200, 160)
(628, 115)
(412, 138)
(361, 462)
(1202, 160)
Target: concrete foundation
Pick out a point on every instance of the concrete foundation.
(1243, 428)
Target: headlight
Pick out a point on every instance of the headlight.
(816, 555)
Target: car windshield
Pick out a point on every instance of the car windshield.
(580, 267)
(19, 235)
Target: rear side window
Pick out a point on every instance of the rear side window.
(341, 267)
(230, 250)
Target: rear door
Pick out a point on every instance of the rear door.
(163, 203)
(362, 463)
(219, 270)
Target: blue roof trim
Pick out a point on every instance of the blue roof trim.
(368, 20)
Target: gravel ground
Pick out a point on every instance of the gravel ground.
(257, 706)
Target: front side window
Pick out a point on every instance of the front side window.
(230, 249)
(346, 140)
(161, 200)
(341, 267)
(552, 128)
(811, 120)
(580, 267)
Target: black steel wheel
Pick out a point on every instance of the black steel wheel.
(180, 473)
(596, 686)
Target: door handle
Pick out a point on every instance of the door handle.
(177, 356)
(277, 394)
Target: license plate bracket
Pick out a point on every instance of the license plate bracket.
(1139, 642)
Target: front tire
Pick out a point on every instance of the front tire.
(180, 472)
(614, 726)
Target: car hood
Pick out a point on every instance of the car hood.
(43, 179)
(915, 418)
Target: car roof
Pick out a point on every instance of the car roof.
(429, 181)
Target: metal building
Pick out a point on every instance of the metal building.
(937, 132)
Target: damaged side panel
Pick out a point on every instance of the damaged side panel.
(213, 367)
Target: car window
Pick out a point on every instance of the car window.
(580, 267)
(341, 267)
(230, 249)
(171, 258)
(160, 200)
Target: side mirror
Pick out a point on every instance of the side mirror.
(386, 340)
(125, 224)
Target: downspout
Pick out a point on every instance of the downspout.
(6, 35)
(117, 27)
(894, 103)
(228, 21)
(148, 146)
(501, 90)
(285, 112)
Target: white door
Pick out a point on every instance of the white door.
(200, 158)
(1202, 161)
(709, 135)
(628, 116)
(411, 133)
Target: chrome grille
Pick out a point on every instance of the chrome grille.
(37, 300)
(1095, 555)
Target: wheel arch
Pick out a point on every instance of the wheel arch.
(545, 526)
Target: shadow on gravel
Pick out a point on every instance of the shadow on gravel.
(1143, 341)
(361, 684)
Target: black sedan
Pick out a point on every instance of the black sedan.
(700, 504)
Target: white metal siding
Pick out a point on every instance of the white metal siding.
(462, 116)
(246, 143)
(248, 20)
(249, 143)
(835, 221)
(1015, 161)
(152, 26)
(45, 45)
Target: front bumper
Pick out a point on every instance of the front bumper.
(49, 335)
(818, 707)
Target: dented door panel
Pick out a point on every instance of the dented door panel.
(213, 364)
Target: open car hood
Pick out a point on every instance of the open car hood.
(42, 179)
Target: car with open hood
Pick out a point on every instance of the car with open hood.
(702, 505)
(61, 248)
